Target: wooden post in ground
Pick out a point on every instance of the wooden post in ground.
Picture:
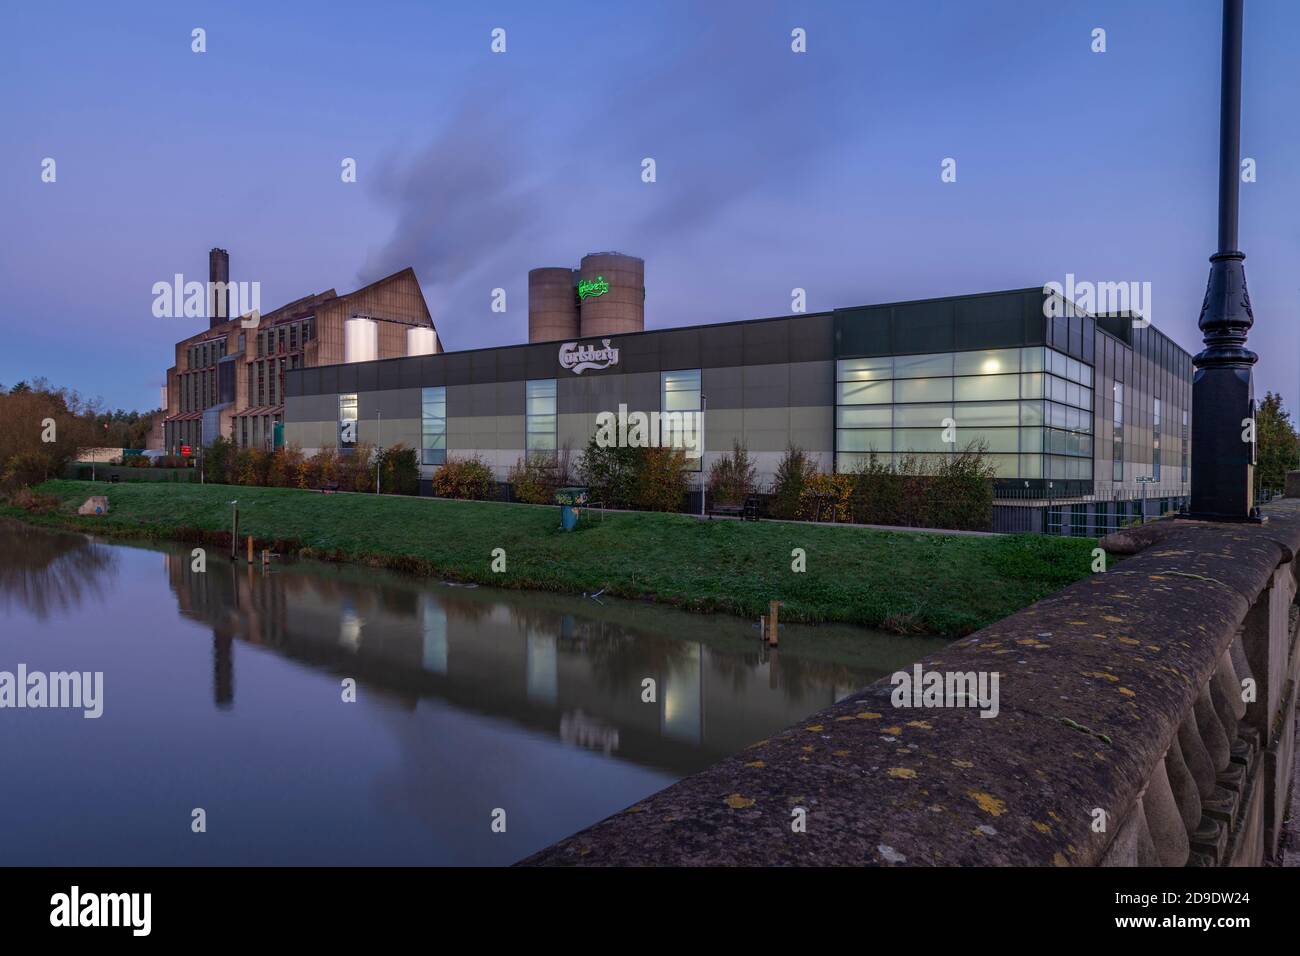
(266, 558)
(250, 549)
(771, 622)
(234, 530)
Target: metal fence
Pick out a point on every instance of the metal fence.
(1092, 515)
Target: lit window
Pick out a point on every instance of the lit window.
(433, 425)
(347, 420)
(539, 417)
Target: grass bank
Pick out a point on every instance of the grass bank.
(907, 583)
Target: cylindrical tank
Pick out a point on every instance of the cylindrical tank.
(360, 340)
(552, 305)
(421, 341)
(611, 294)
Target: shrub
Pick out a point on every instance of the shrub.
(535, 478)
(732, 477)
(34, 502)
(792, 474)
(286, 466)
(468, 478)
(826, 498)
(399, 468)
(660, 478)
(610, 474)
(948, 491)
(356, 469)
(27, 468)
(217, 461)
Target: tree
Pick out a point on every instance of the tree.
(1278, 446)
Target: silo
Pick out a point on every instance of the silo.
(552, 305)
(611, 294)
(360, 340)
(421, 341)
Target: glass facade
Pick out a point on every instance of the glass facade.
(539, 417)
(1031, 408)
(1155, 442)
(347, 422)
(680, 392)
(433, 425)
(1117, 444)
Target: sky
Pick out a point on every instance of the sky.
(774, 170)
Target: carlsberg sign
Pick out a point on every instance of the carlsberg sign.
(579, 358)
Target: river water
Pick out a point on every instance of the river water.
(223, 691)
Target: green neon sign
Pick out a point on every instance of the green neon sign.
(588, 288)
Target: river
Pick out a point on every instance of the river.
(224, 702)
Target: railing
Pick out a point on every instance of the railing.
(1144, 715)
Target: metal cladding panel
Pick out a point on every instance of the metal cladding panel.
(347, 378)
(510, 398)
(570, 396)
(723, 387)
(459, 368)
(636, 353)
(990, 321)
(679, 348)
(483, 366)
(482, 399)
(390, 373)
(329, 379)
(431, 371)
(767, 386)
(293, 384)
(460, 405)
(408, 373)
(924, 327)
(720, 346)
(812, 383)
(512, 366)
(641, 391)
(308, 381)
(367, 377)
(766, 343)
(543, 361)
(812, 338)
(864, 331)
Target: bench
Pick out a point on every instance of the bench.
(329, 487)
(746, 512)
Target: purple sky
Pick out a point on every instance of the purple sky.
(775, 169)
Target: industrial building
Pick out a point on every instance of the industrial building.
(1067, 405)
(228, 380)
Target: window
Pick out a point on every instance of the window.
(680, 419)
(1117, 451)
(433, 425)
(539, 417)
(347, 420)
(1185, 447)
(1155, 442)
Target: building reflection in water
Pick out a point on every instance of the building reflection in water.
(554, 664)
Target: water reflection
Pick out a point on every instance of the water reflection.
(44, 572)
(561, 665)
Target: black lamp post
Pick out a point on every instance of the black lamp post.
(1223, 396)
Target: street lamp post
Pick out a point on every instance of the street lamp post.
(1223, 397)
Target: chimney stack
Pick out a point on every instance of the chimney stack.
(218, 298)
